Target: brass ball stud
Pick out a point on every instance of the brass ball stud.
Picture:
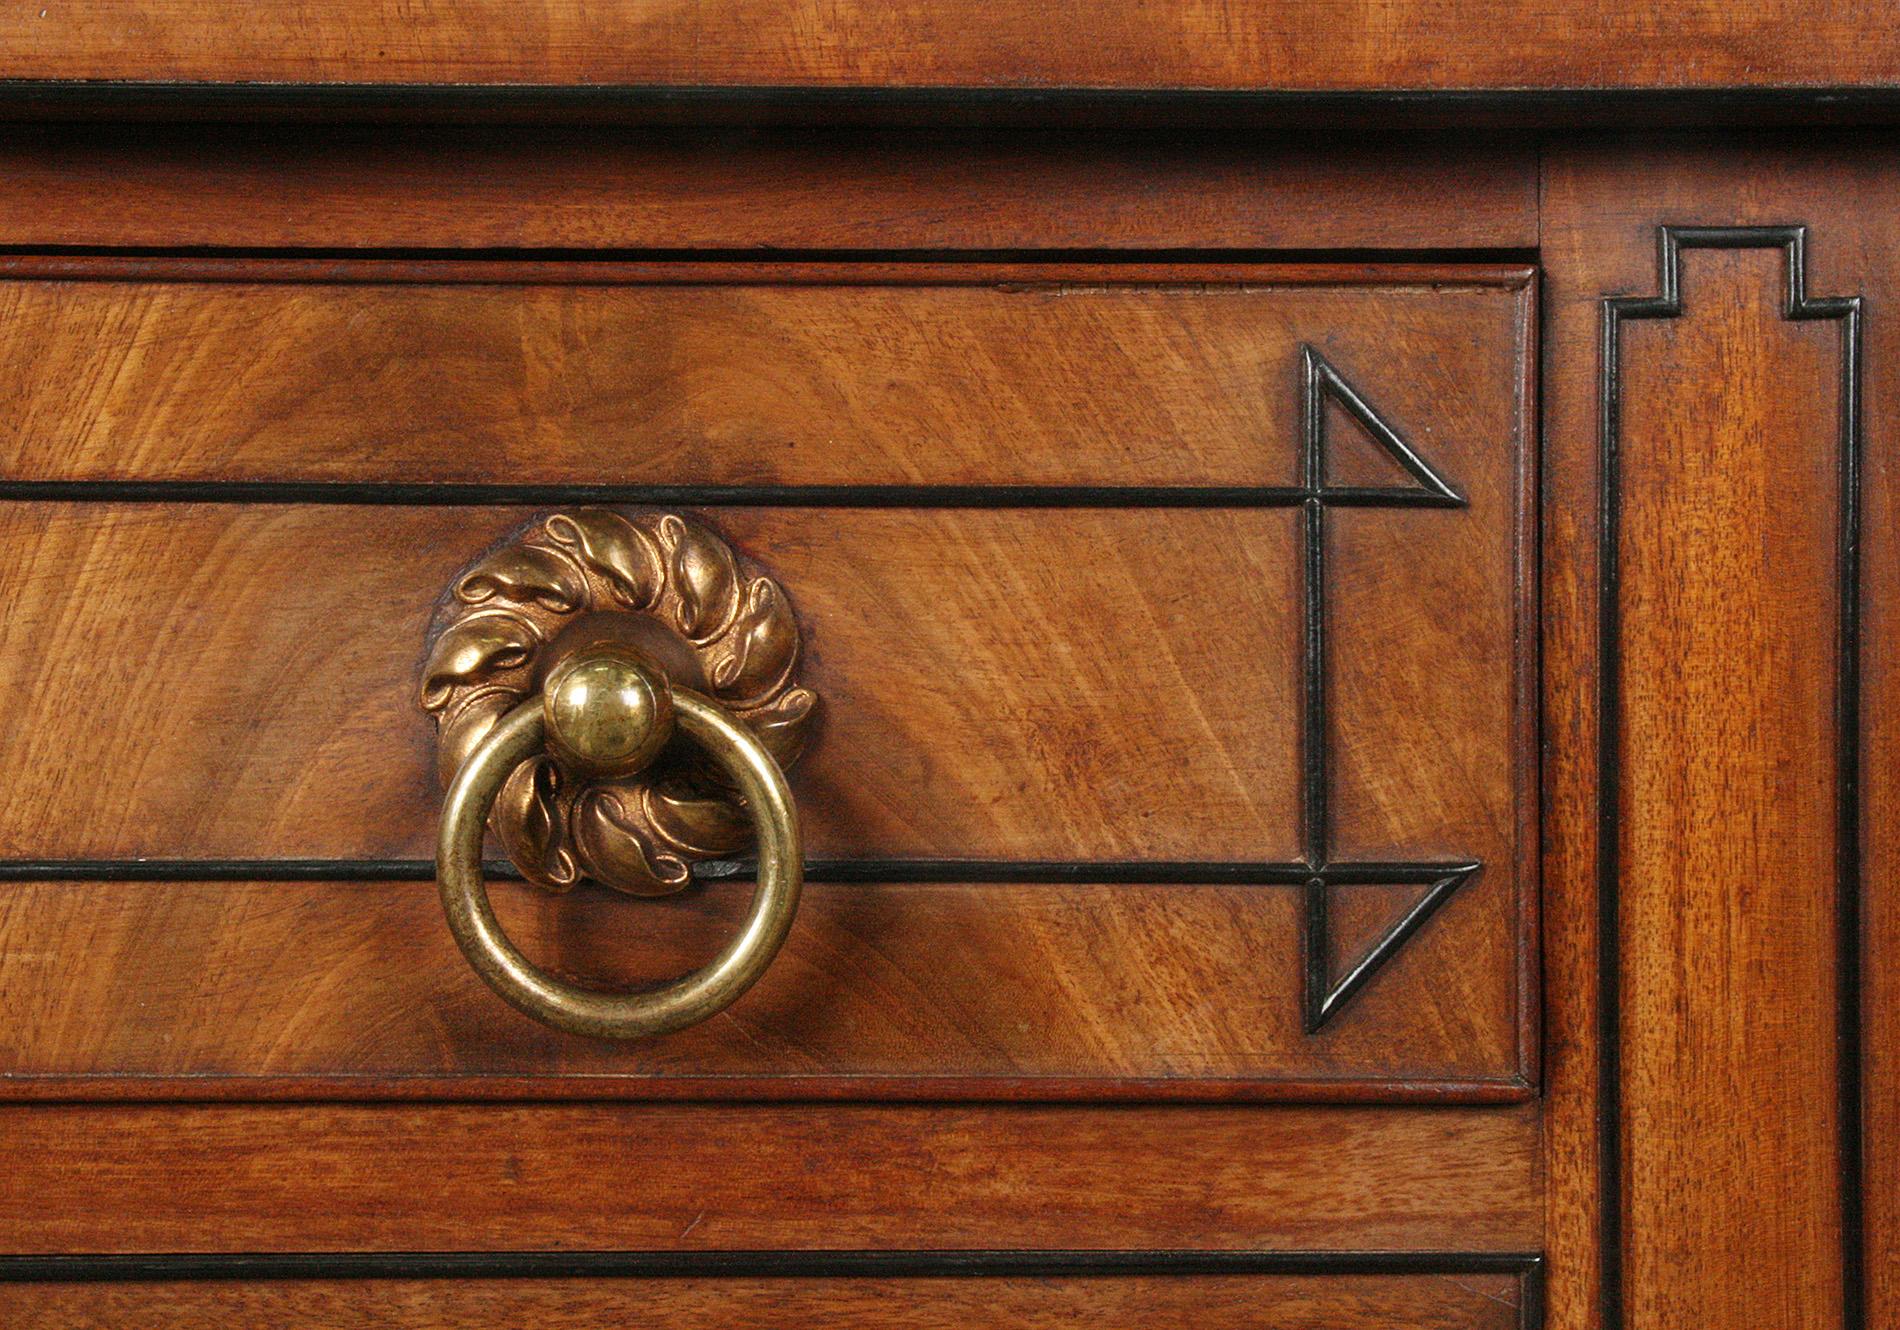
(608, 711)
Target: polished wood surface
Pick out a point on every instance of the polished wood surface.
(283, 700)
(340, 990)
(1313, 45)
(279, 703)
(253, 703)
(758, 190)
(1727, 833)
(1043, 1302)
(1739, 1185)
(778, 374)
(703, 1177)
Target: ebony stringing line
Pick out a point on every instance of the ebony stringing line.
(1009, 108)
(909, 872)
(1797, 306)
(814, 1265)
(372, 494)
(975, 1263)
(1322, 996)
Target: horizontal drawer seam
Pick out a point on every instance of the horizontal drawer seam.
(751, 1264)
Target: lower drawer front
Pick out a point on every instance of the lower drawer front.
(235, 1179)
(947, 1291)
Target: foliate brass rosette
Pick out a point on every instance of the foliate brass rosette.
(679, 594)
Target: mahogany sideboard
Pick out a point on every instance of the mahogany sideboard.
(1142, 665)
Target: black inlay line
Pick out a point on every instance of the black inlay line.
(714, 496)
(1320, 373)
(747, 103)
(1316, 952)
(1315, 778)
(1797, 306)
(1336, 995)
(1847, 844)
(103, 1267)
(1322, 996)
(903, 871)
(1399, 259)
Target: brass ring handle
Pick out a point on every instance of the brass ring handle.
(610, 710)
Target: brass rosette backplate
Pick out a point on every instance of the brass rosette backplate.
(681, 594)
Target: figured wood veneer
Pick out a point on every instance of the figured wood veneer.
(926, 990)
(589, 372)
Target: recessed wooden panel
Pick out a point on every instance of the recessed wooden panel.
(1458, 1301)
(928, 990)
(1730, 603)
(709, 1177)
(1721, 1124)
(583, 373)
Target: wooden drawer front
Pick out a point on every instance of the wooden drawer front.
(1177, 742)
(750, 1293)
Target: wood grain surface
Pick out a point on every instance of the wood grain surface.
(1727, 826)
(756, 190)
(1313, 45)
(1164, 1302)
(1739, 1186)
(268, 657)
(787, 374)
(703, 1177)
(936, 990)
(1006, 683)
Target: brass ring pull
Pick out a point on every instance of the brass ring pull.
(609, 709)
(559, 667)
